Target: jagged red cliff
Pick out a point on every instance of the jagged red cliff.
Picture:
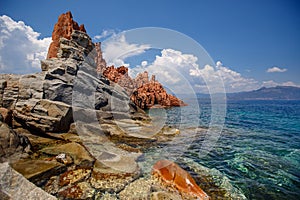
(63, 28)
(143, 92)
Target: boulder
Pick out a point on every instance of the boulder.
(61, 73)
(114, 168)
(38, 171)
(214, 182)
(139, 189)
(173, 175)
(115, 74)
(108, 179)
(44, 115)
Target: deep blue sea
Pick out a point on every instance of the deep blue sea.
(258, 148)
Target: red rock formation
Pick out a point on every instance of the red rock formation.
(63, 28)
(115, 74)
(144, 93)
(120, 75)
(173, 175)
(153, 93)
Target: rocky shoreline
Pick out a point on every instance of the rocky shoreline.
(74, 131)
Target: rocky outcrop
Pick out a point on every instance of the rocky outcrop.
(115, 74)
(153, 93)
(173, 175)
(63, 29)
(120, 76)
(43, 102)
(143, 92)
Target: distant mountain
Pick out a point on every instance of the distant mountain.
(273, 93)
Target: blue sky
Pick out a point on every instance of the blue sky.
(248, 37)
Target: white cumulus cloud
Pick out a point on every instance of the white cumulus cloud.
(20, 47)
(181, 72)
(232, 80)
(276, 69)
(116, 49)
(171, 68)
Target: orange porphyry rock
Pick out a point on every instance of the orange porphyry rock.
(143, 92)
(115, 74)
(173, 175)
(152, 93)
(63, 28)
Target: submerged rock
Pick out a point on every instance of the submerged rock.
(114, 169)
(81, 190)
(139, 189)
(79, 154)
(216, 184)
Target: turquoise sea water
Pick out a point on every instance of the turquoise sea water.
(258, 149)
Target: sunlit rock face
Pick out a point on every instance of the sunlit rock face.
(63, 29)
(143, 92)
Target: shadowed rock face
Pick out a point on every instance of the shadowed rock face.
(63, 28)
(12, 144)
(173, 175)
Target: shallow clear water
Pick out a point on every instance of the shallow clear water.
(258, 149)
